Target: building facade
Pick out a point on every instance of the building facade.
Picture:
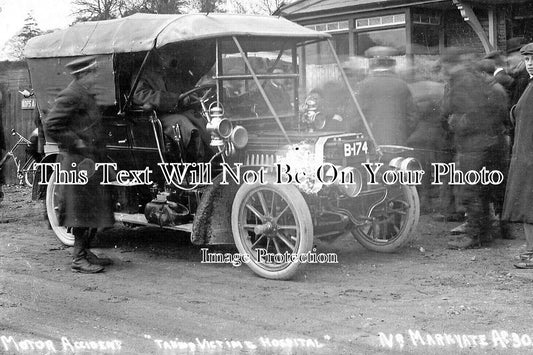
(414, 27)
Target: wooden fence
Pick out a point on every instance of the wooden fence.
(423, 69)
(14, 76)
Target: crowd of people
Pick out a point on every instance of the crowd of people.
(476, 117)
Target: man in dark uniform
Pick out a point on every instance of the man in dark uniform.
(479, 142)
(185, 127)
(75, 123)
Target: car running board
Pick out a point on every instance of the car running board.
(140, 219)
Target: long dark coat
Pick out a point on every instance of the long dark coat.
(473, 110)
(152, 89)
(73, 122)
(519, 191)
(429, 132)
(388, 106)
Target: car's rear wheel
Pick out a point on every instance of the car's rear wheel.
(273, 220)
(52, 210)
(392, 222)
(29, 174)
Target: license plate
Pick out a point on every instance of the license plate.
(355, 148)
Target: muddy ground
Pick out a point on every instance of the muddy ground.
(159, 298)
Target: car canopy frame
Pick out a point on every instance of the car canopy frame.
(148, 32)
(48, 54)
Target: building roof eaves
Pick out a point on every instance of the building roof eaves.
(361, 6)
(308, 7)
(296, 6)
(498, 2)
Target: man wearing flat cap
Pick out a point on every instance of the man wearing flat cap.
(478, 140)
(75, 123)
(519, 190)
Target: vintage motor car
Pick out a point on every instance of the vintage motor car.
(272, 182)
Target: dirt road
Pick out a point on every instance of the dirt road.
(159, 298)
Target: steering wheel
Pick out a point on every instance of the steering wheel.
(197, 95)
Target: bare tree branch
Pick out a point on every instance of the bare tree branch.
(265, 7)
(206, 5)
(95, 10)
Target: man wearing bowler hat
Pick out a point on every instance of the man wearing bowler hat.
(75, 123)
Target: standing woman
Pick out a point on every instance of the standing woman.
(75, 123)
(519, 191)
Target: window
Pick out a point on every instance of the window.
(521, 23)
(341, 43)
(380, 21)
(425, 19)
(320, 53)
(425, 39)
(386, 30)
(330, 26)
(394, 38)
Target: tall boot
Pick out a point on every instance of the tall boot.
(79, 253)
(93, 258)
(505, 230)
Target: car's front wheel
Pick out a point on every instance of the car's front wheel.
(272, 226)
(392, 222)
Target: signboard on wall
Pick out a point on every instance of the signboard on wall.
(27, 104)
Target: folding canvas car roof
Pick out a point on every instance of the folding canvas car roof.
(142, 32)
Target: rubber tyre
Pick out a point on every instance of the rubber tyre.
(51, 211)
(300, 215)
(406, 226)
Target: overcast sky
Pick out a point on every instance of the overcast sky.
(50, 14)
